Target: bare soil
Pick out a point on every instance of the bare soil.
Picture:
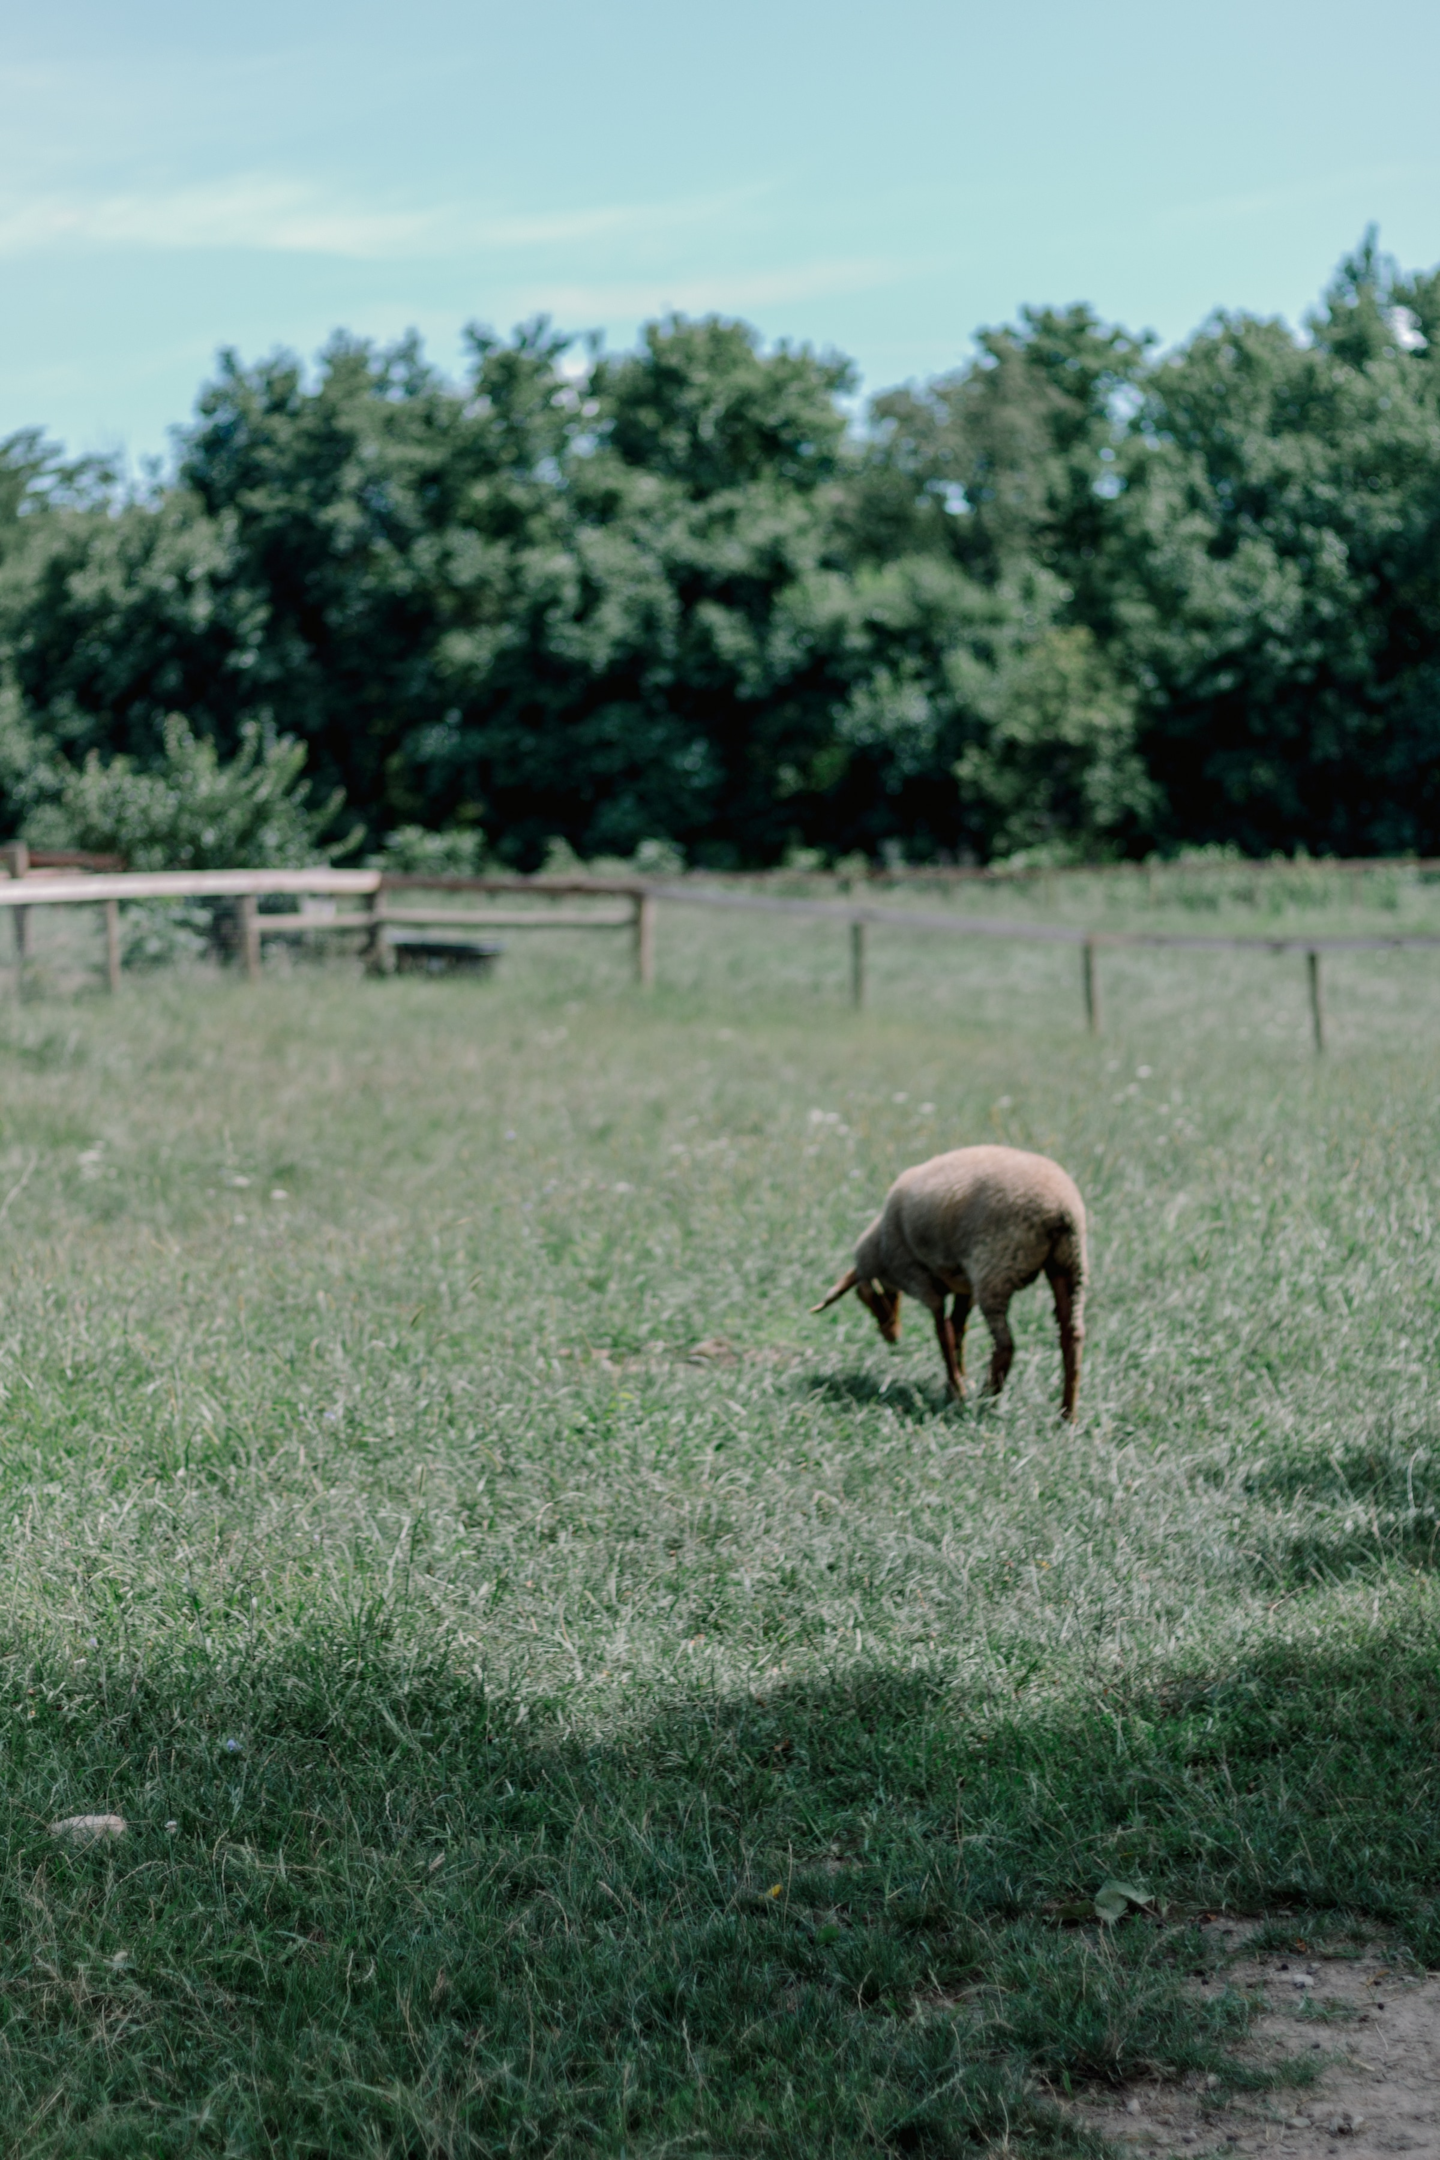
(1368, 2023)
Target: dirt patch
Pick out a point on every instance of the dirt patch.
(715, 1350)
(1369, 2025)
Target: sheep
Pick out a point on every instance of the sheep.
(981, 1222)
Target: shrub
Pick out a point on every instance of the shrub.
(414, 850)
(190, 812)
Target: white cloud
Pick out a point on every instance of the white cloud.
(247, 212)
(272, 215)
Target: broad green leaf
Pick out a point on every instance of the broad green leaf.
(1114, 1899)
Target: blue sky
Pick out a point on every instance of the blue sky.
(176, 178)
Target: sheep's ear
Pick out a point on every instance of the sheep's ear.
(846, 1282)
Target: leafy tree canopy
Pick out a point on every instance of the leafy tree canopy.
(1076, 594)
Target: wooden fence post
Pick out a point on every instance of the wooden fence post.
(644, 936)
(857, 963)
(378, 954)
(1092, 987)
(250, 936)
(112, 944)
(1317, 1002)
(17, 862)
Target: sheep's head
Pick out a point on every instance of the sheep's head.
(884, 1304)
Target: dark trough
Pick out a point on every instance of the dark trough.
(412, 955)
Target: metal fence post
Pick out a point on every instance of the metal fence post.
(857, 963)
(1092, 987)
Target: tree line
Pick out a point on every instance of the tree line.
(1078, 596)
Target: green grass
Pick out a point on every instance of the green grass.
(538, 1739)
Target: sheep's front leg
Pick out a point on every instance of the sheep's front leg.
(1002, 1356)
(951, 1336)
(1068, 1312)
(954, 1365)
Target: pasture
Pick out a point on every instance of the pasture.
(565, 1699)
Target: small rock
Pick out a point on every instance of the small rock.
(88, 1829)
(1132, 2107)
(1344, 2125)
(1302, 1980)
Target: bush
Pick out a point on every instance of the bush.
(191, 812)
(413, 850)
(658, 859)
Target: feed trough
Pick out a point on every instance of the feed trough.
(412, 954)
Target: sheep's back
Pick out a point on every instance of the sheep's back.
(991, 1215)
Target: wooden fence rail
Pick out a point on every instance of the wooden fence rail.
(25, 891)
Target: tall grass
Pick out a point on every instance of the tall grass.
(568, 1700)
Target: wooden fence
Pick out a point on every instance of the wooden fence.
(374, 921)
(378, 916)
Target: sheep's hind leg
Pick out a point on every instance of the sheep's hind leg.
(1072, 1338)
(1002, 1356)
(959, 1319)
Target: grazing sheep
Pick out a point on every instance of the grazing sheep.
(981, 1222)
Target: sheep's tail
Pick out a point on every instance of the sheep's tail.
(847, 1282)
(1067, 1254)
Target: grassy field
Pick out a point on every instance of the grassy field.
(566, 1699)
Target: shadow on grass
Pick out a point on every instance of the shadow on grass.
(1398, 1474)
(1355, 1553)
(397, 1915)
(865, 1391)
(1368, 1506)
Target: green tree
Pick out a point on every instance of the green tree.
(1068, 595)
(1024, 443)
(1016, 466)
(1057, 767)
(117, 613)
(677, 655)
(1280, 583)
